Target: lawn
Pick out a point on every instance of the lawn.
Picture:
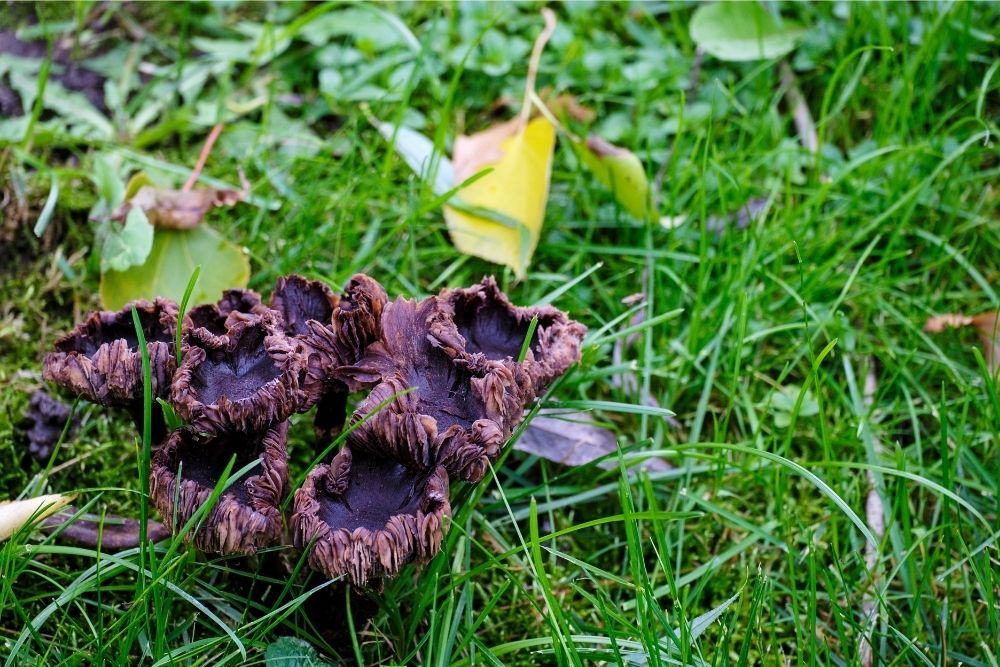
(822, 478)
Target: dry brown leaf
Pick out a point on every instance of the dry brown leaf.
(178, 209)
(987, 325)
(566, 104)
(575, 440)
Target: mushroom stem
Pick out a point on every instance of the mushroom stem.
(158, 423)
(331, 413)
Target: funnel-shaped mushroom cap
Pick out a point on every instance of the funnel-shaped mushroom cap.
(213, 317)
(367, 516)
(299, 300)
(334, 349)
(455, 414)
(100, 358)
(246, 380)
(492, 328)
(247, 516)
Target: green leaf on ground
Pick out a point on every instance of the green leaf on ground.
(783, 404)
(128, 244)
(292, 652)
(620, 171)
(739, 31)
(174, 255)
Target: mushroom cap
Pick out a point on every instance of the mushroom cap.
(299, 300)
(245, 380)
(247, 516)
(490, 327)
(459, 408)
(334, 349)
(100, 359)
(366, 516)
(215, 317)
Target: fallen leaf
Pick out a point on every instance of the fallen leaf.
(740, 31)
(172, 260)
(177, 209)
(752, 210)
(987, 325)
(110, 532)
(473, 152)
(574, 440)
(566, 104)
(292, 652)
(43, 423)
(17, 513)
(499, 215)
(620, 171)
(418, 152)
(126, 245)
(515, 192)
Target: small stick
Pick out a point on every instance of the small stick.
(116, 533)
(536, 57)
(203, 157)
(875, 516)
(695, 76)
(804, 124)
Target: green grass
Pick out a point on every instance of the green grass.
(762, 516)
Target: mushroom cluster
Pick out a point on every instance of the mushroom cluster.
(448, 379)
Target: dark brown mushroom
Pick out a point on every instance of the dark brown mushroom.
(366, 516)
(247, 516)
(492, 328)
(299, 300)
(457, 412)
(332, 349)
(245, 380)
(100, 360)
(43, 424)
(213, 317)
(457, 356)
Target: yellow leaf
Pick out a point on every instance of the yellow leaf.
(14, 514)
(620, 171)
(512, 198)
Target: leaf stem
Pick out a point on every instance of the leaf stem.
(536, 56)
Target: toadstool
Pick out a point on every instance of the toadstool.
(366, 516)
(213, 317)
(246, 517)
(332, 349)
(245, 380)
(100, 359)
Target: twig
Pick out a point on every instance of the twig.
(661, 174)
(804, 124)
(113, 534)
(695, 84)
(875, 516)
(536, 57)
(203, 157)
